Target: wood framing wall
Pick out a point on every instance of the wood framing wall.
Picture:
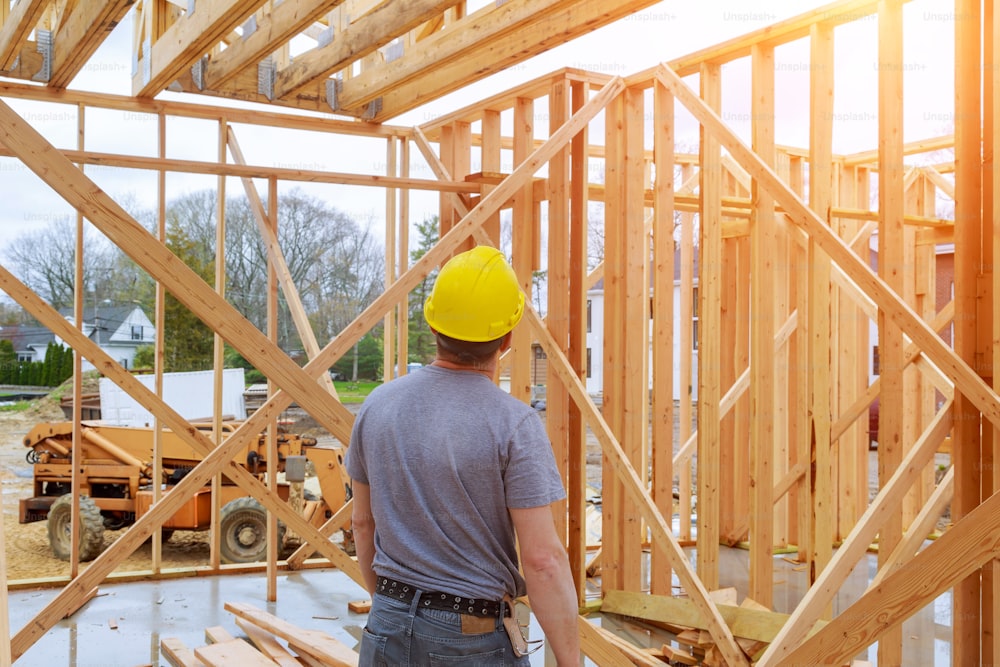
(784, 293)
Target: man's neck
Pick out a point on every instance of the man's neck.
(487, 368)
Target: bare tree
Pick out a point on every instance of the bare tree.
(44, 260)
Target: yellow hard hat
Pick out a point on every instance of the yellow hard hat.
(475, 297)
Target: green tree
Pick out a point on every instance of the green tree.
(233, 359)
(51, 365)
(188, 343)
(8, 362)
(369, 360)
(420, 340)
(66, 368)
(145, 357)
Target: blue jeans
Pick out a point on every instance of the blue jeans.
(399, 633)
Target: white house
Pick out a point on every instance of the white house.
(595, 339)
(118, 330)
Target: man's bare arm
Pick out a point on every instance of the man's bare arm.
(363, 525)
(550, 582)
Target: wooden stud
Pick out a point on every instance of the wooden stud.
(558, 273)
(523, 242)
(663, 328)
(820, 303)
(709, 346)
(635, 337)
(966, 609)
(763, 279)
(577, 344)
(613, 405)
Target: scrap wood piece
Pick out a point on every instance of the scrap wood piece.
(634, 654)
(676, 655)
(724, 596)
(746, 623)
(268, 645)
(750, 603)
(217, 634)
(179, 655)
(596, 646)
(751, 647)
(690, 637)
(314, 642)
(360, 606)
(307, 660)
(232, 652)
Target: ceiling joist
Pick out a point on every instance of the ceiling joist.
(274, 29)
(463, 66)
(23, 18)
(377, 28)
(80, 34)
(190, 37)
(489, 24)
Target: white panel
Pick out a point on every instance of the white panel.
(190, 394)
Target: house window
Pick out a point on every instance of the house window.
(588, 319)
(588, 362)
(24, 357)
(136, 332)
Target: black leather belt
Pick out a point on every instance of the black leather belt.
(397, 590)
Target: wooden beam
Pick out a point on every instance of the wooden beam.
(268, 229)
(267, 644)
(252, 171)
(968, 276)
(278, 25)
(973, 541)
(190, 37)
(597, 645)
(763, 230)
(256, 117)
(923, 525)
(709, 343)
(662, 361)
(492, 22)
(19, 23)
(69, 598)
(636, 488)
(776, 34)
(745, 623)
(177, 654)
(434, 75)
(957, 370)
(886, 502)
(314, 642)
(820, 495)
(895, 271)
(80, 35)
(362, 37)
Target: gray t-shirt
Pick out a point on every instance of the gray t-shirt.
(446, 453)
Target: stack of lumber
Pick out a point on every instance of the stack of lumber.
(752, 625)
(269, 641)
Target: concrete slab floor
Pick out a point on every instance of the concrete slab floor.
(146, 612)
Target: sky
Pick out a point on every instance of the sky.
(664, 31)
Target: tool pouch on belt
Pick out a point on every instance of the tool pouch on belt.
(510, 624)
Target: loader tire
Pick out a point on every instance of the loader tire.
(243, 526)
(91, 528)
